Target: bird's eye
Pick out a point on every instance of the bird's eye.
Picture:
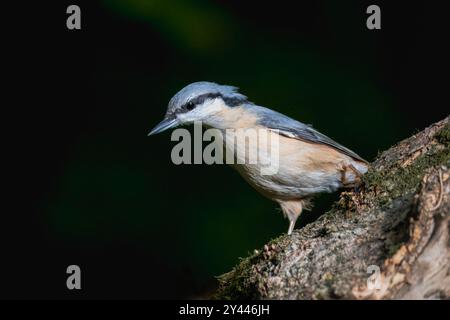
(190, 106)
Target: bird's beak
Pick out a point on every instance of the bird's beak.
(164, 125)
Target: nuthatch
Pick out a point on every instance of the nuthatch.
(309, 162)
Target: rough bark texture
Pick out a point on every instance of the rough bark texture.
(397, 224)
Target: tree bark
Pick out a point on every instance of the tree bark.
(387, 240)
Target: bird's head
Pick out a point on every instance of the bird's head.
(199, 101)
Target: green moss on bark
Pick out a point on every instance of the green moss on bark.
(396, 180)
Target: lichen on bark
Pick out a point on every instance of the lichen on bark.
(390, 223)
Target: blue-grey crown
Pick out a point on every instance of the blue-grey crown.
(197, 92)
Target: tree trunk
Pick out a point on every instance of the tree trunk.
(388, 240)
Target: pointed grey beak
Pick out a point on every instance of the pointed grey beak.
(164, 125)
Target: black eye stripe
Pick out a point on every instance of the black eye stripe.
(229, 101)
(234, 101)
(199, 100)
(189, 106)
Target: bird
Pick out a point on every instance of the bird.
(309, 162)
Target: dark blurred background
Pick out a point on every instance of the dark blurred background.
(95, 191)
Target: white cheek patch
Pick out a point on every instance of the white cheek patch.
(202, 112)
(212, 107)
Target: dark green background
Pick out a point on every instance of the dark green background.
(107, 197)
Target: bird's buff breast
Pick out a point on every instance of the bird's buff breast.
(303, 168)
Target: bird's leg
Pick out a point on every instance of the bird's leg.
(291, 225)
(292, 210)
(293, 216)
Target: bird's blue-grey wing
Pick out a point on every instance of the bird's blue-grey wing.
(295, 129)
